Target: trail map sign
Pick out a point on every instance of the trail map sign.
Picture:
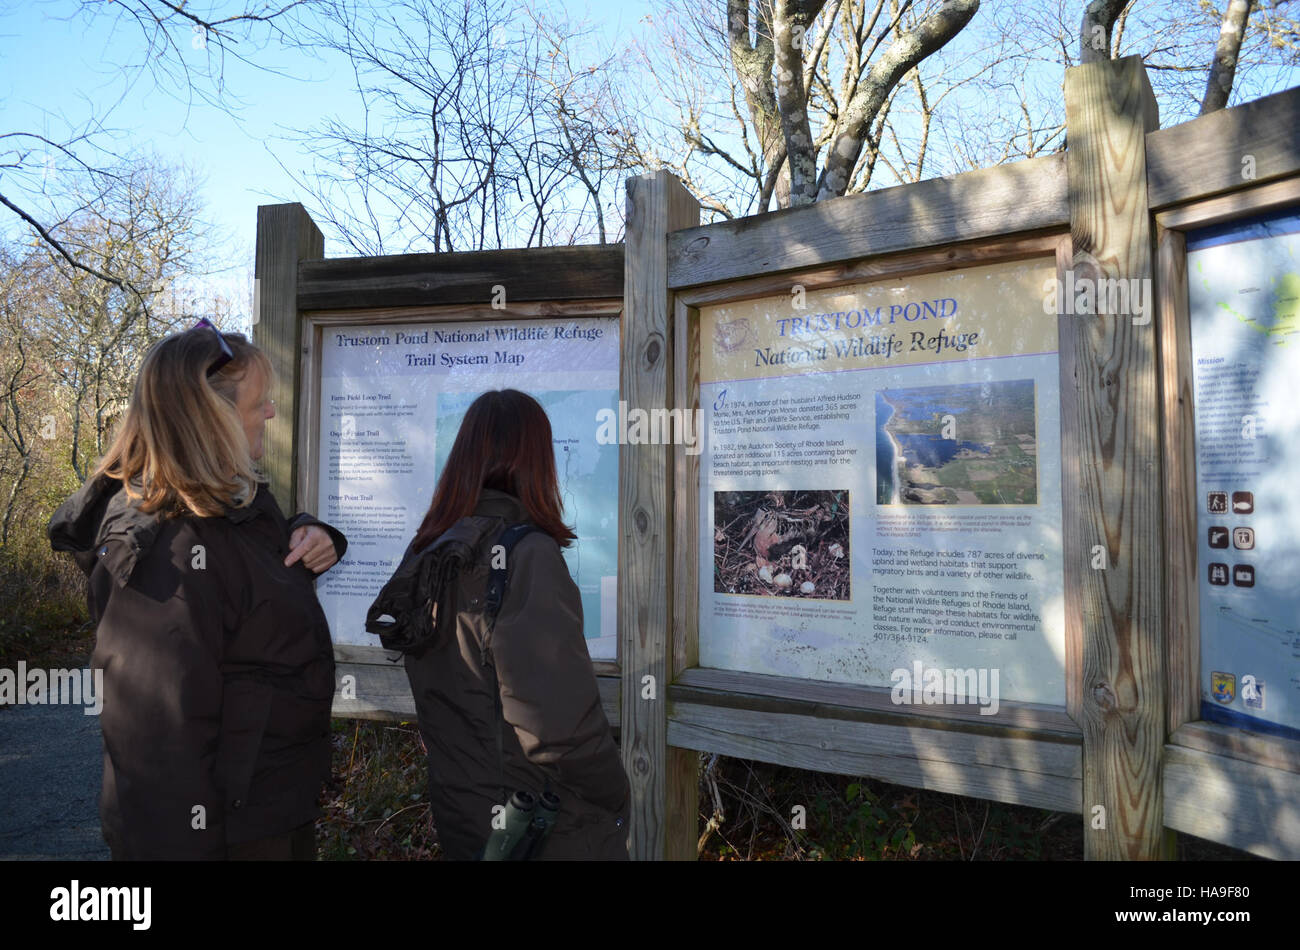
(392, 399)
(880, 486)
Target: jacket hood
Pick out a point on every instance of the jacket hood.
(99, 522)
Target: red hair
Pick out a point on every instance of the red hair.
(504, 443)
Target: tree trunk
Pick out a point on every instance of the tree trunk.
(1224, 67)
(753, 64)
(790, 21)
(1095, 31)
(12, 503)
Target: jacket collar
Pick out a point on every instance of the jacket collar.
(254, 508)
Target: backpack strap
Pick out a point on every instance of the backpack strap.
(499, 579)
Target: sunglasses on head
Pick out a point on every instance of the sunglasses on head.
(226, 356)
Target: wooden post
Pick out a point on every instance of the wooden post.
(286, 235)
(1113, 529)
(662, 826)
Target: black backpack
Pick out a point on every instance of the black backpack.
(403, 613)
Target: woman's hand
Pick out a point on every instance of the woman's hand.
(313, 546)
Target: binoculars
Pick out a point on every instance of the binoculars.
(528, 820)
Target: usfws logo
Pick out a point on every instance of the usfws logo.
(1223, 686)
(733, 335)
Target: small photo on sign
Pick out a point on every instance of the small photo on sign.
(966, 444)
(782, 543)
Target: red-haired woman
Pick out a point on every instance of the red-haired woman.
(529, 718)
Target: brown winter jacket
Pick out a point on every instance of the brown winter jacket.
(218, 672)
(553, 728)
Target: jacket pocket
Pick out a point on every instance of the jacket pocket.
(245, 711)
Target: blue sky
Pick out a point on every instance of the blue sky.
(59, 68)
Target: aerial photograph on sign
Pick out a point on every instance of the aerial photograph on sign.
(781, 543)
(968, 444)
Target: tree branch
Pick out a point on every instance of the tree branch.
(903, 55)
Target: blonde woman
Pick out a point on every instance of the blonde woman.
(218, 665)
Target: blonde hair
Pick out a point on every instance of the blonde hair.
(181, 446)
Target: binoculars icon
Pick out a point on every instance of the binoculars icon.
(528, 820)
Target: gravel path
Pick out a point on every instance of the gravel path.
(51, 761)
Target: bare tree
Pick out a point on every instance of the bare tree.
(990, 94)
(184, 51)
(804, 112)
(20, 375)
(480, 129)
(780, 67)
(88, 334)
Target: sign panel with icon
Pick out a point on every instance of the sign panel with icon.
(1244, 302)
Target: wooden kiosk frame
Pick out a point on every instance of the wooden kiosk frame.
(1126, 751)
(539, 283)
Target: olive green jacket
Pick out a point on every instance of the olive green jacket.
(554, 732)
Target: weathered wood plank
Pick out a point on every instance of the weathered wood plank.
(990, 202)
(383, 692)
(1109, 108)
(1271, 751)
(1242, 203)
(899, 265)
(1067, 374)
(788, 694)
(1036, 772)
(681, 766)
(686, 501)
(307, 443)
(376, 656)
(374, 692)
(663, 780)
(455, 313)
(1183, 622)
(286, 235)
(1241, 804)
(683, 785)
(400, 280)
(1217, 152)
